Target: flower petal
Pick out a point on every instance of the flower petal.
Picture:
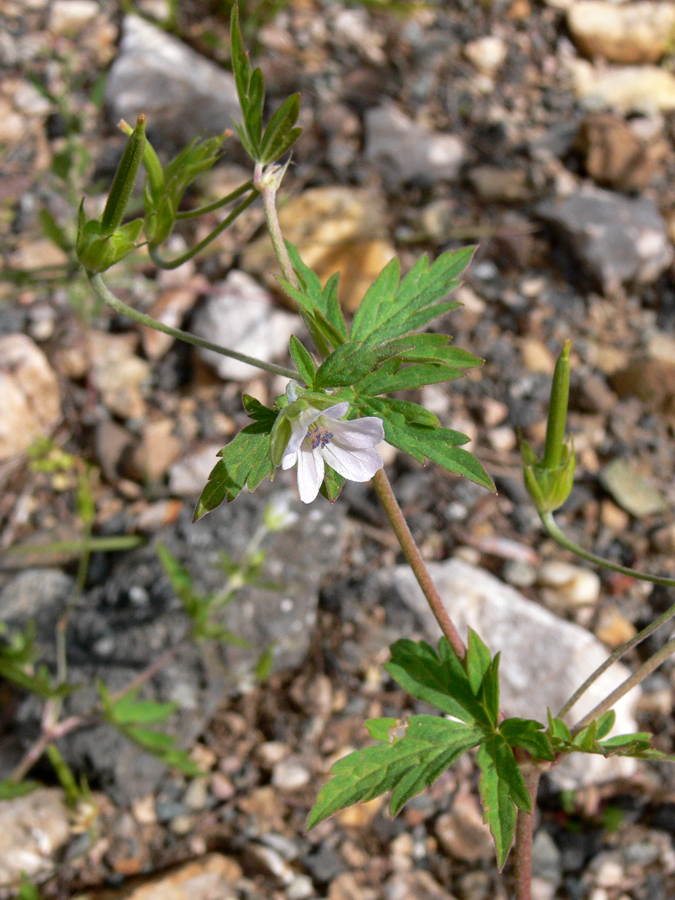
(310, 473)
(337, 411)
(299, 428)
(359, 433)
(288, 460)
(354, 465)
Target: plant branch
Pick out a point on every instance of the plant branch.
(645, 669)
(616, 655)
(159, 260)
(524, 836)
(412, 554)
(267, 182)
(108, 297)
(217, 204)
(559, 536)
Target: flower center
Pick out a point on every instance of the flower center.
(319, 436)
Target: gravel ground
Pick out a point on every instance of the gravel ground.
(447, 124)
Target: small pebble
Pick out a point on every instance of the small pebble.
(290, 774)
(574, 586)
(197, 794)
(182, 824)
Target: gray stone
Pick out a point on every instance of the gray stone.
(407, 152)
(181, 93)
(631, 490)
(36, 594)
(543, 658)
(114, 638)
(617, 239)
(240, 314)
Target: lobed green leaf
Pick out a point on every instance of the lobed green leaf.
(405, 765)
(245, 462)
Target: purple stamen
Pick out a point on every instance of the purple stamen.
(319, 436)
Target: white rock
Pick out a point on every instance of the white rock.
(240, 315)
(32, 829)
(622, 33)
(626, 89)
(543, 658)
(30, 405)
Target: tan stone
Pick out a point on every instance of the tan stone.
(623, 33)
(336, 229)
(117, 373)
(31, 405)
(214, 877)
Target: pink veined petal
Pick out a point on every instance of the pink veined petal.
(359, 433)
(354, 465)
(299, 432)
(310, 473)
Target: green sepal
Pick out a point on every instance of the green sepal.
(164, 189)
(125, 179)
(332, 484)
(548, 487)
(98, 250)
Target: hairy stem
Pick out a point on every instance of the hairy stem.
(267, 182)
(412, 554)
(108, 297)
(636, 678)
(524, 836)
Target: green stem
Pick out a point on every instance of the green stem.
(174, 263)
(412, 554)
(636, 678)
(94, 544)
(104, 293)
(217, 204)
(561, 538)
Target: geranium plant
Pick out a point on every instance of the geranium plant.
(342, 400)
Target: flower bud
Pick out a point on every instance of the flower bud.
(550, 481)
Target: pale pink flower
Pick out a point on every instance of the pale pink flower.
(321, 437)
